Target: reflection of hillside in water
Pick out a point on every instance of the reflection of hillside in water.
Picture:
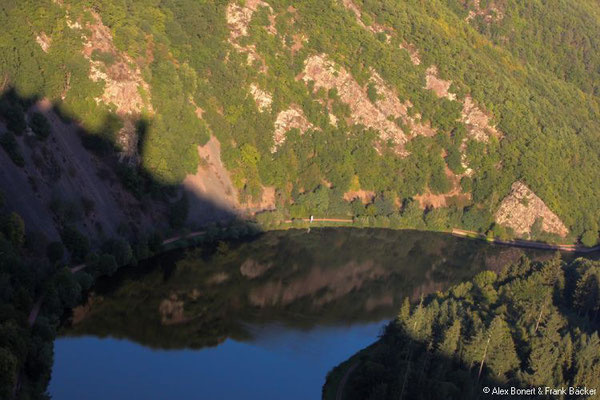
(299, 280)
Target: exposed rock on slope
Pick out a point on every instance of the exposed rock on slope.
(439, 86)
(124, 85)
(491, 13)
(328, 75)
(477, 122)
(521, 208)
(238, 20)
(212, 193)
(123, 79)
(263, 99)
(44, 41)
(289, 119)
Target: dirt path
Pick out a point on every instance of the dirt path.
(571, 248)
(340, 389)
(289, 221)
(35, 311)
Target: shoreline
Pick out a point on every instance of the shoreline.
(523, 243)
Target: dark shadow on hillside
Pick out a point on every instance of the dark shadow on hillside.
(428, 354)
(400, 367)
(56, 174)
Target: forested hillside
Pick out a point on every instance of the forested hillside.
(534, 324)
(432, 115)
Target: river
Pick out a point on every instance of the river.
(263, 318)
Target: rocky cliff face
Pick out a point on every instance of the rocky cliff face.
(257, 105)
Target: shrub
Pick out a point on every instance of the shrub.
(589, 238)
(40, 126)
(55, 251)
(10, 145)
(76, 243)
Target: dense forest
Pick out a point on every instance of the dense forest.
(430, 115)
(532, 325)
(189, 70)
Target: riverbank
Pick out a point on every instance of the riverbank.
(530, 244)
(214, 234)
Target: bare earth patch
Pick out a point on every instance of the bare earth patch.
(365, 196)
(263, 99)
(328, 75)
(44, 41)
(392, 107)
(298, 40)
(238, 20)
(171, 310)
(455, 195)
(412, 50)
(123, 79)
(373, 28)
(286, 120)
(520, 209)
(439, 86)
(491, 13)
(213, 196)
(477, 122)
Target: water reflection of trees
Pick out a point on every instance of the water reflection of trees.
(329, 276)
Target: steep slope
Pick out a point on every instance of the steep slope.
(533, 325)
(437, 102)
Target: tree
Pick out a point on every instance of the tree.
(119, 249)
(451, 340)
(8, 372)
(589, 238)
(67, 287)
(107, 265)
(14, 229)
(178, 212)
(40, 126)
(76, 243)
(55, 251)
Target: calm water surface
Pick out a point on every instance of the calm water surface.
(260, 319)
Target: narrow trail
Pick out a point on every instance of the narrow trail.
(570, 248)
(289, 221)
(340, 389)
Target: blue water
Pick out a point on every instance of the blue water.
(280, 363)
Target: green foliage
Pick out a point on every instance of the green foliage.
(106, 265)
(477, 219)
(13, 228)
(119, 249)
(589, 238)
(537, 82)
(77, 244)
(40, 125)
(12, 112)
(522, 329)
(178, 212)
(12, 148)
(372, 92)
(105, 57)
